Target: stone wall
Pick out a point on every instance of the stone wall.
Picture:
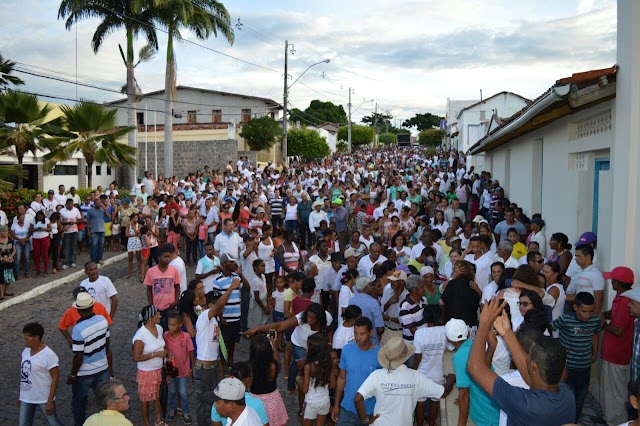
(189, 156)
(251, 155)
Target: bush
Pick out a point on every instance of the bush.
(11, 200)
(307, 143)
(388, 138)
(360, 135)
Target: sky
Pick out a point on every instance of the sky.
(406, 56)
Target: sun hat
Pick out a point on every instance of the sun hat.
(83, 301)
(456, 330)
(394, 353)
(317, 203)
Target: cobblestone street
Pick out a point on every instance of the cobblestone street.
(47, 309)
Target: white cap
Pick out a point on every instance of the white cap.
(230, 389)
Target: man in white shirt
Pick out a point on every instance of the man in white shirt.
(323, 262)
(482, 257)
(316, 216)
(426, 241)
(208, 266)
(230, 402)
(50, 203)
(178, 263)
(503, 254)
(70, 219)
(366, 263)
(228, 241)
(589, 279)
(100, 288)
(61, 197)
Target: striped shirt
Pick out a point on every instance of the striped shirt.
(89, 337)
(231, 312)
(577, 338)
(276, 205)
(635, 355)
(411, 315)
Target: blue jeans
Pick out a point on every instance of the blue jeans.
(97, 246)
(80, 392)
(204, 380)
(291, 225)
(178, 385)
(200, 249)
(28, 410)
(578, 381)
(23, 253)
(347, 418)
(69, 248)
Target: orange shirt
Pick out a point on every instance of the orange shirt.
(71, 316)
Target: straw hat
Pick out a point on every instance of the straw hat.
(395, 353)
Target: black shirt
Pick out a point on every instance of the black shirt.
(461, 302)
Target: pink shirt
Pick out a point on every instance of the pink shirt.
(180, 348)
(163, 284)
(202, 231)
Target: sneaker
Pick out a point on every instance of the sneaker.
(171, 415)
(187, 419)
(73, 265)
(64, 267)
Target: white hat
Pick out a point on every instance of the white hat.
(426, 270)
(83, 301)
(230, 389)
(456, 330)
(351, 253)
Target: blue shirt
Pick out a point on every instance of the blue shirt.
(89, 337)
(231, 311)
(358, 364)
(250, 401)
(371, 309)
(481, 408)
(96, 218)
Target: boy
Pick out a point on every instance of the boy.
(181, 352)
(579, 336)
(163, 285)
(344, 333)
(519, 249)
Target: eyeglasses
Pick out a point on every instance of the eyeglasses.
(124, 395)
(525, 304)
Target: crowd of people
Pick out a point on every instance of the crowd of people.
(353, 276)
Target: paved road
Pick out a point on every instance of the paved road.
(47, 309)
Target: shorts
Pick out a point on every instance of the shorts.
(134, 244)
(149, 384)
(231, 331)
(299, 353)
(278, 316)
(145, 253)
(311, 410)
(81, 234)
(107, 229)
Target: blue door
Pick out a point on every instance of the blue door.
(601, 164)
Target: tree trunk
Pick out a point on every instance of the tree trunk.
(90, 173)
(131, 106)
(168, 113)
(20, 176)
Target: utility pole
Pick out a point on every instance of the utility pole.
(387, 120)
(349, 128)
(284, 111)
(375, 125)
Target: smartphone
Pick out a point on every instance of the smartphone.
(271, 334)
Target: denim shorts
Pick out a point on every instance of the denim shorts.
(299, 352)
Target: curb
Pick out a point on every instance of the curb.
(41, 289)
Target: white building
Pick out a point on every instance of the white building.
(328, 131)
(451, 115)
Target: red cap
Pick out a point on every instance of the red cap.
(620, 273)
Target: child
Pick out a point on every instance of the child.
(277, 307)
(430, 343)
(181, 352)
(145, 252)
(579, 336)
(259, 307)
(344, 332)
(315, 381)
(134, 245)
(202, 235)
(154, 250)
(115, 231)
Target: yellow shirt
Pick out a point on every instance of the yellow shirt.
(519, 250)
(108, 418)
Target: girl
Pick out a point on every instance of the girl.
(163, 224)
(203, 233)
(152, 235)
(134, 244)
(7, 255)
(399, 244)
(56, 236)
(115, 230)
(263, 357)
(145, 251)
(175, 228)
(191, 229)
(40, 229)
(259, 307)
(315, 381)
(266, 252)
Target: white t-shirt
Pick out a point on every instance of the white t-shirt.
(151, 344)
(365, 265)
(259, 284)
(587, 280)
(101, 290)
(205, 264)
(483, 268)
(397, 392)
(489, 291)
(513, 297)
(35, 376)
(73, 217)
(514, 378)
(343, 300)
(501, 360)
(248, 417)
(323, 268)
(39, 225)
(278, 297)
(207, 333)
(431, 343)
(20, 231)
(342, 336)
(303, 331)
(178, 263)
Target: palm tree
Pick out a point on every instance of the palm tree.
(201, 17)
(95, 137)
(25, 125)
(135, 17)
(6, 68)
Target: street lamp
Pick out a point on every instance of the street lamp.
(286, 96)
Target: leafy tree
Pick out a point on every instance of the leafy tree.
(26, 125)
(202, 18)
(342, 146)
(360, 135)
(382, 121)
(319, 112)
(94, 135)
(136, 18)
(388, 138)
(261, 133)
(431, 137)
(423, 121)
(307, 143)
(6, 68)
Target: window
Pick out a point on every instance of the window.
(140, 118)
(216, 116)
(246, 115)
(62, 170)
(98, 170)
(192, 117)
(108, 171)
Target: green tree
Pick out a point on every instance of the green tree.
(95, 136)
(6, 69)
(342, 146)
(319, 112)
(431, 137)
(26, 125)
(261, 133)
(388, 138)
(360, 135)
(380, 121)
(423, 121)
(307, 143)
(202, 18)
(136, 18)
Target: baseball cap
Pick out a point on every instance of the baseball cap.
(398, 276)
(337, 201)
(362, 282)
(230, 389)
(226, 257)
(426, 270)
(351, 253)
(633, 294)
(479, 219)
(587, 238)
(620, 273)
(456, 330)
